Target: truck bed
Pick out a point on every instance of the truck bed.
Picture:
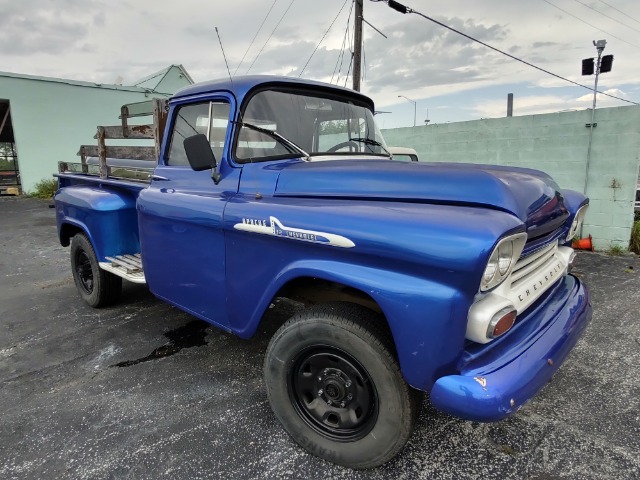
(67, 179)
(114, 168)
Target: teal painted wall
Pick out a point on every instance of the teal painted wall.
(557, 144)
(51, 119)
(172, 81)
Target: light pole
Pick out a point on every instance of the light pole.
(414, 107)
(600, 44)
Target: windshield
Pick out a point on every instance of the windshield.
(318, 125)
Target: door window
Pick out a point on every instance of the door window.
(194, 119)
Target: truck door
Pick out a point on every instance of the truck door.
(180, 215)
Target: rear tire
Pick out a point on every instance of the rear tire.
(335, 385)
(96, 287)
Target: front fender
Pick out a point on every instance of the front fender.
(427, 319)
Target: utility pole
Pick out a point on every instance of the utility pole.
(357, 46)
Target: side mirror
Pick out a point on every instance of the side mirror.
(199, 152)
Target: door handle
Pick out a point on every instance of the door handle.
(158, 177)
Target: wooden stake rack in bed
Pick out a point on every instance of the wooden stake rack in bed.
(157, 108)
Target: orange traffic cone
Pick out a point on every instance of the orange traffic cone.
(583, 244)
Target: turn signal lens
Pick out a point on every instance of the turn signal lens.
(501, 322)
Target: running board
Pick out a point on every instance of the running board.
(128, 267)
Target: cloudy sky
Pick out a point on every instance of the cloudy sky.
(455, 79)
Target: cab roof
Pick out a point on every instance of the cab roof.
(242, 85)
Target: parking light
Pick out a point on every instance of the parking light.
(501, 322)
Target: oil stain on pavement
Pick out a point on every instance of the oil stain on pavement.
(188, 336)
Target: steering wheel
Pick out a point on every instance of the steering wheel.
(337, 147)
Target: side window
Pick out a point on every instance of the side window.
(193, 119)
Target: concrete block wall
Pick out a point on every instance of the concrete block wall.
(556, 143)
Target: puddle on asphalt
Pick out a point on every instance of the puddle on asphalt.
(190, 335)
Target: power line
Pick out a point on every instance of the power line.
(341, 53)
(591, 25)
(346, 78)
(605, 15)
(364, 62)
(267, 41)
(403, 9)
(255, 36)
(323, 37)
(611, 6)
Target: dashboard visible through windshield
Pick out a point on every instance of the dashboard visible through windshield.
(317, 125)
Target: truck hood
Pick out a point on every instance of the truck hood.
(529, 194)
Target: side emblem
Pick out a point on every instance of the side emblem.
(276, 229)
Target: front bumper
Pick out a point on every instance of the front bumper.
(497, 379)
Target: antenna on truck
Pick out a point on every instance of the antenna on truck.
(223, 55)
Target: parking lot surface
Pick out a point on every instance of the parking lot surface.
(142, 390)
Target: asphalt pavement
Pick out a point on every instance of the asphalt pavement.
(142, 390)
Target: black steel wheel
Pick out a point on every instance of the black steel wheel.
(335, 385)
(97, 287)
(84, 272)
(333, 393)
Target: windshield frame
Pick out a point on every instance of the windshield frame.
(329, 94)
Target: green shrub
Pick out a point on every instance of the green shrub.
(615, 250)
(45, 188)
(634, 245)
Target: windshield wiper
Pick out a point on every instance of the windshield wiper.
(370, 141)
(292, 147)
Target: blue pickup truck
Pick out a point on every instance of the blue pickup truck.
(416, 277)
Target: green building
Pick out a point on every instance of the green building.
(44, 120)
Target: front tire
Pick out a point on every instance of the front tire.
(96, 287)
(334, 383)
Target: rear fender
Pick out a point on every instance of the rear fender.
(427, 319)
(108, 218)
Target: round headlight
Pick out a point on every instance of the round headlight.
(490, 271)
(577, 222)
(502, 258)
(505, 257)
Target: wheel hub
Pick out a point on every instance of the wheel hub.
(335, 386)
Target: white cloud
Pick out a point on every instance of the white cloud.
(611, 91)
(98, 41)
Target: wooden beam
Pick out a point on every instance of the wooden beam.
(131, 131)
(133, 153)
(102, 153)
(159, 122)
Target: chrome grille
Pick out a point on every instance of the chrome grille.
(527, 266)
